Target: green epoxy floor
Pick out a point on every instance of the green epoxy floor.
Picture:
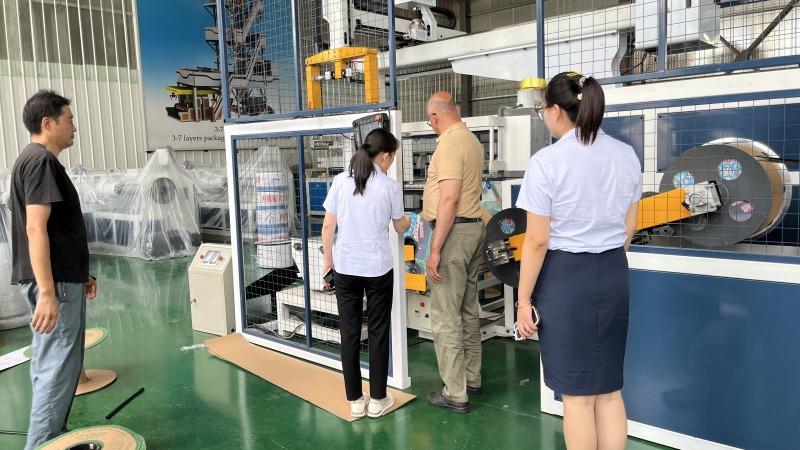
(193, 400)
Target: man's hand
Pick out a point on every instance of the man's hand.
(45, 316)
(91, 288)
(433, 266)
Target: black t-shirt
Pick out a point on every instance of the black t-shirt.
(39, 178)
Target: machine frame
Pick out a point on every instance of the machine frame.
(398, 364)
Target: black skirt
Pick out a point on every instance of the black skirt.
(583, 300)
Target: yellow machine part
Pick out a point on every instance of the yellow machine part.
(416, 282)
(408, 251)
(182, 90)
(339, 57)
(517, 241)
(662, 208)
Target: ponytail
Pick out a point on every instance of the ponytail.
(361, 164)
(583, 100)
(590, 112)
(361, 168)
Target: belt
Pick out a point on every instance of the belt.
(459, 220)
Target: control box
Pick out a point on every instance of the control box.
(211, 290)
(419, 313)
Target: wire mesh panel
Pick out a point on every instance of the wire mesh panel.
(656, 38)
(305, 58)
(415, 86)
(339, 45)
(269, 216)
(283, 171)
(260, 60)
(282, 243)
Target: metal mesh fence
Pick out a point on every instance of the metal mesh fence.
(283, 252)
(746, 150)
(320, 56)
(614, 39)
(259, 57)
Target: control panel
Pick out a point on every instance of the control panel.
(211, 290)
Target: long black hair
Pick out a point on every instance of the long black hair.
(582, 98)
(361, 168)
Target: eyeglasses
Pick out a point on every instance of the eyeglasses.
(429, 118)
(539, 109)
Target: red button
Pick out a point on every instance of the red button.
(202, 256)
(422, 305)
(219, 258)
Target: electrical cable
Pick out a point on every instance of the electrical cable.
(122, 405)
(261, 327)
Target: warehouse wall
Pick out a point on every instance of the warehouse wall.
(85, 50)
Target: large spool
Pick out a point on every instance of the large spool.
(96, 438)
(755, 190)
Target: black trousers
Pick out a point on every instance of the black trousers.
(350, 291)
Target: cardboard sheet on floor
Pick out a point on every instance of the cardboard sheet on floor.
(305, 380)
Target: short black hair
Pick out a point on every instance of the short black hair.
(43, 104)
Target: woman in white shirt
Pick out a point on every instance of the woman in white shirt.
(581, 195)
(361, 203)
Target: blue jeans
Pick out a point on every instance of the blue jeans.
(57, 362)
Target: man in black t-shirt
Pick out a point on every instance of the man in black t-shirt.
(50, 262)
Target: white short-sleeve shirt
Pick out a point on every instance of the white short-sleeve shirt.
(362, 241)
(585, 190)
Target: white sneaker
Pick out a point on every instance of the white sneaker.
(358, 407)
(376, 408)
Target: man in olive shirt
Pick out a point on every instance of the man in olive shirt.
(50, 262)
(451, 204)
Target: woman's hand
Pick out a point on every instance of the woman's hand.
(325, 267)
(525, 323)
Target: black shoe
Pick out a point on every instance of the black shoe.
(475, 390)
(437, 399)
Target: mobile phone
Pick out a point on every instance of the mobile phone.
(536, 320)
(328, 277)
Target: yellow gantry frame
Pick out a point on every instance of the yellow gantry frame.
(339, 57)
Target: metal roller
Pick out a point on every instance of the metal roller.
(504, 232)
(752, 187)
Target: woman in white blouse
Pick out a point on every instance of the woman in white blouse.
(361, 203)
(581, 195)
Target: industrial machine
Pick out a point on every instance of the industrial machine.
(416, 22)
(14, 309)
(714, 271)
(211, 290)
(714, 195)
(150, 214)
